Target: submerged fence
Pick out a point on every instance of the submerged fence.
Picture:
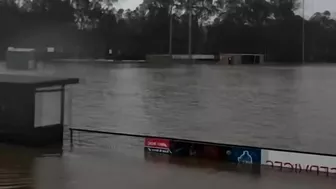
(257, 157)
(143, 136)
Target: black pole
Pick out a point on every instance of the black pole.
(62, 105)
(71, 136)
(190, 30)
(303, 32)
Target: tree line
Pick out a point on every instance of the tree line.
(96, 29)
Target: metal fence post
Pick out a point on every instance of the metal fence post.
(71, 137)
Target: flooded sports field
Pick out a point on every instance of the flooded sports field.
(270, 106)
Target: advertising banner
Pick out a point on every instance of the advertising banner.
(299, 162)
(244, 155)
(157, 145)
(226, 153)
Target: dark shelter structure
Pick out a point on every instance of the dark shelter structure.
(34, 110)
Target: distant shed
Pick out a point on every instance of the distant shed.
(234, 59)
(21, 58)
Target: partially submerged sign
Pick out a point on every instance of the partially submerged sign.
(184, 148)
(293, 161)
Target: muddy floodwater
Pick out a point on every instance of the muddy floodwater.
(289, 107)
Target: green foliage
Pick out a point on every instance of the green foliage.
(91, 27)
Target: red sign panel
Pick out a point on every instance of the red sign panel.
(157, 143)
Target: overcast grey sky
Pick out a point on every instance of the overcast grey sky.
(311, 6)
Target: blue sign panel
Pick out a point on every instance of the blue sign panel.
(244, 155)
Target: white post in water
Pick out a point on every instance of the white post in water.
(303, 31)
(190, 24)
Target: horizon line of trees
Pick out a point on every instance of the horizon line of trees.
(91, 28)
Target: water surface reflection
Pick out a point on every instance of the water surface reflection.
(284, 107)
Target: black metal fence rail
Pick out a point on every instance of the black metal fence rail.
(72, 130)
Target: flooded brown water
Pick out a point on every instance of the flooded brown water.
(283, 107)
(86, 168)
